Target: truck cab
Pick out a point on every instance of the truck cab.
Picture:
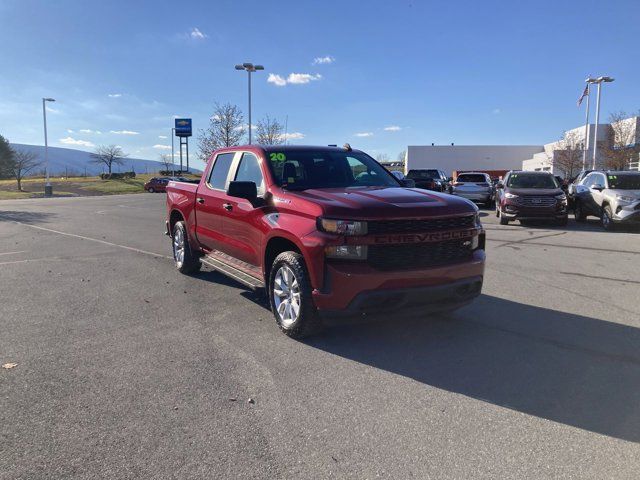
(326, 231)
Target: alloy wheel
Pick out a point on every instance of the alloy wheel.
(286, 296)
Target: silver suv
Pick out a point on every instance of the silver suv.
(614, 196)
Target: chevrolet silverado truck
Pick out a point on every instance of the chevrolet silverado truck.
(326, 231)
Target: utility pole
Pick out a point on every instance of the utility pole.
(48, 189)
(599, 81)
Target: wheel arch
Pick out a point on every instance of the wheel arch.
(274, 247)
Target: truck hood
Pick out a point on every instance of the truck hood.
(536, 192)
(384, 202)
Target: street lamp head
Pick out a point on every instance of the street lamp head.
(49, 99)
(248, 65)
(259, 67)
(606, 79)
(590, 80)
(239, 67)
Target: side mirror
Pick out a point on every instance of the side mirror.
(598, 187)
(246, 190)
(408, 182)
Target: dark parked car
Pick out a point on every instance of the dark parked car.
(157, 184)
(429, 179)
(530, 196)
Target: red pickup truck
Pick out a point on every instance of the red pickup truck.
(326, 231)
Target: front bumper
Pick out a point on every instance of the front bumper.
(627, 214)
(516, 212)
(355, 288)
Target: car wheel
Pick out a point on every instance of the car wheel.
(606, 219)
(185, 260)
(503, 220)
(563, 222)
(290, 296)
(150, 190)
(578, 212)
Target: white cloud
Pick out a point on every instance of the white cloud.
(162, 136)
(276, 80)
(196, 34)
(392, 128)
(302, 78)
(162, 147)
(69, 130)
(496, 111)
(87, 130)
(293, 136)
(293, 78)
(364, 134)
(114, 95)
(73, 141)
(124, 132)
(321, 60)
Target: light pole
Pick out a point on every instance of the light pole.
(48, 189)
(173, 134)
(599, 81)
(249, 68)
(585, 146)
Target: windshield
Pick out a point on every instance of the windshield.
(472, 178)
(303, 169)
(532, 180)
(624, 182)
(419, 174)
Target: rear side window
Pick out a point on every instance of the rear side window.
(249, 171)
(220, 171)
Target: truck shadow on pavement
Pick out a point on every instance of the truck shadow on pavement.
(25, 217)
(567, 368)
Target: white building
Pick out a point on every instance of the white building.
(469, 157)
(574, 139)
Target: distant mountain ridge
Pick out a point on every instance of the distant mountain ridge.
(67, 161)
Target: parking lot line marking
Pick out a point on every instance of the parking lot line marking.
(577, 247)
(126, 247)
(13, 253)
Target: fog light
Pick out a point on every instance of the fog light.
(346, 252)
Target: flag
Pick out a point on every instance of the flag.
(584, 94)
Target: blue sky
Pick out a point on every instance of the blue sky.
(399, 72)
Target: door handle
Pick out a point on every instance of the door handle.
(227, 206)
(200, 200)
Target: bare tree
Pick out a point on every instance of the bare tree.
(108, 155)
(6, 158)
(568, 160)
(621, 147)
(382, 158)
(226, 129)
(23, 163)
(401, 156)
(269, 132)
(165, 159)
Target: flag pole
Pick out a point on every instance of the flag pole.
(585, 147)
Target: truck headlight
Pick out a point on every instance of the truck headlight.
(342, 227)
(346, 252)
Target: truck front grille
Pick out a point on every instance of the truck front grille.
(420, 225)
(408, 256)
(537, 201)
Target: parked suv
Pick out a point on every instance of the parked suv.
(429, 179)
(614, 196)
(474, 186)
(530, 196)
(326, 231)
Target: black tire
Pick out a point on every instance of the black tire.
(503, 220)
(190, 263)
(607, 219)
(308, 322)
(563, 222)
(150, 190)
(578, 212)
(497, 210)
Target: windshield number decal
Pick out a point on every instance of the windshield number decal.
(277, 157)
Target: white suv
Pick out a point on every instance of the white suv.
(614, 196)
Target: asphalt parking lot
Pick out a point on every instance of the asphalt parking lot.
(127, 369)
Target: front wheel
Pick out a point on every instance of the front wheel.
(607, 219)
(503, 220)
(185, 260)
(578, 212)
(290, 296)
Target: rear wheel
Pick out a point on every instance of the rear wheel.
(578, 212)
(290, 296)
(183, 256)
(607, 219)
(503, 220)
(150, 190)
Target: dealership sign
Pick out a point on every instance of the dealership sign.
(183, 127)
